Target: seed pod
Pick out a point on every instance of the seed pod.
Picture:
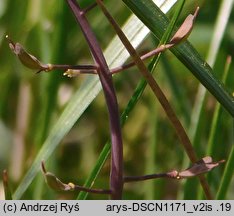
(27, 59)
(202, 166)
(185, 29)
(55, 183)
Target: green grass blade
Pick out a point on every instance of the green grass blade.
(79, 102)
(96, 170)
(181, 102)
(150, 192)
(157, 22)
(52, 82)
(214, 132)
(217, 113)
(220, 26)
(198, 111)
(172, 23)
(227, 176)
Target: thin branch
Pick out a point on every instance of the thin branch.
(32, 62)
(172, 174)
(154, 52)
(71, 71)
(204, 165)
(84, 68)
(91, 190)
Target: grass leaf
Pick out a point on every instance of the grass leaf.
(157, 22)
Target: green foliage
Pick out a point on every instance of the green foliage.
(64, 121)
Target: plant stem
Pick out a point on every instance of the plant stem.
(74, 67)
(172, 174)
(92, 69)
(116, 176)
(154, 52)
(90, 190)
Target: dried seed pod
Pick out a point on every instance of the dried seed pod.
(185, 29)
(54, 183)
(27, 59)
(202, 166)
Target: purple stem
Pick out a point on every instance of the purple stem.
(90, 7)
(75, 67)
(145, 56)
(116, 176)
(172, 174)
(90, 190)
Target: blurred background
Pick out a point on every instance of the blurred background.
(31, 103)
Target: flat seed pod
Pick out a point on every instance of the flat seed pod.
(185, 29)
(55, 183)
(202, 166)
(26, 59)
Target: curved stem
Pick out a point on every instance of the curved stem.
(116, 177)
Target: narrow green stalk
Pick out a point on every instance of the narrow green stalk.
(197, 116)
(180, 101)
(51, 86)
(149, 189)
(220, 26)
(96, 170)
(52, 83)
(227, 175)
(214, 132)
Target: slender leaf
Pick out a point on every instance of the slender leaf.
(227, 176)
(198, 112)
(214, 132)
(73, 111)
